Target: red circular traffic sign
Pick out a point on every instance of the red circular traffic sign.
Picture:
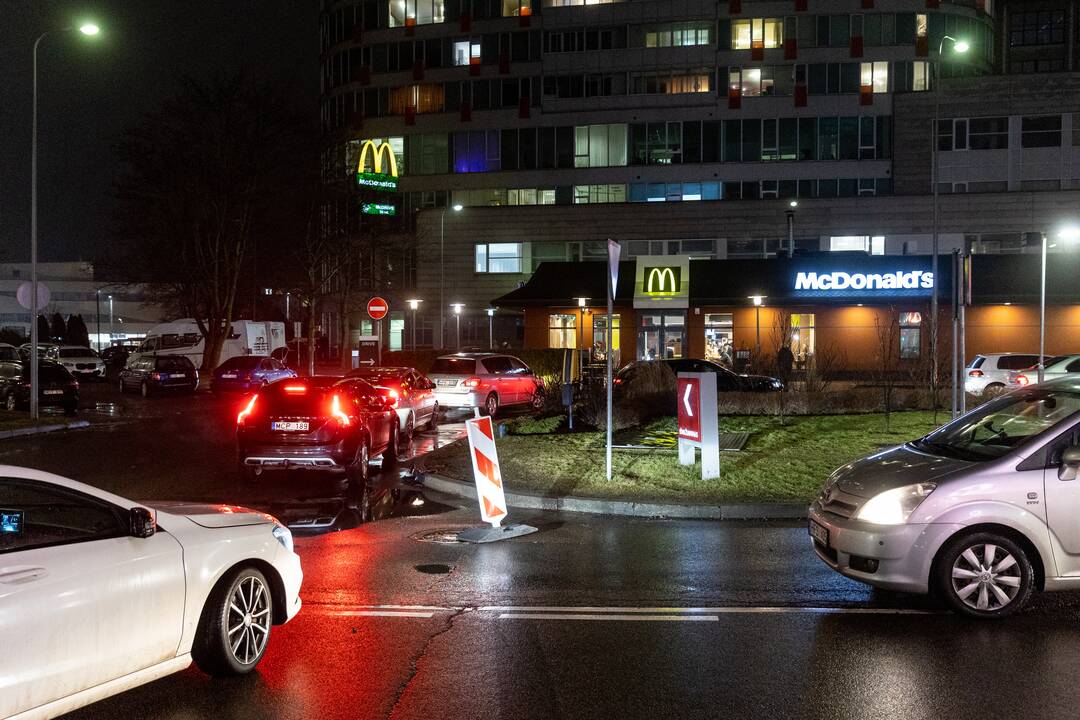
(377, 308)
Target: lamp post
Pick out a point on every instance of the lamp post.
(758, 301)
(582, 303)
(414, 305)
(97, 314)
(442, 275)
(958, 46)
(88, 29)
(110, 318)
(491, 328)
(1067, 234)
(791, 227)
(457, 316)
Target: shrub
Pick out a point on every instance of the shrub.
(535, 426)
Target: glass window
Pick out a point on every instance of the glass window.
(562, 330)
(910, 335)
(1040, 131)
(875, 245)
(757, 33)
(989, 133)
(37, 515)
(719, 338)
(409, 13)
(1044, 27)
(875, 75)
(467, 52)
(802, 336)
(515, 8)
(600, 332)
(498, 257)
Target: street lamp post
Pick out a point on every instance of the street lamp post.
(414, 305)
(110, 318)
(88, 29)
(457, 316)
(958, 46)
(1067, 234)
(791, 227)
(491, 328)
(97, 314)
(442, 275)
(758, 301)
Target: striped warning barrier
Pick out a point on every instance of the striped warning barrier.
(488, 478)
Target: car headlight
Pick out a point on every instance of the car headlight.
(894, 507)
(284, 536)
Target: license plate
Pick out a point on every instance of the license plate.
(54, 392)
(819, 533)
(446, 383)
(289, 426)
(228, 376)
(178, 375)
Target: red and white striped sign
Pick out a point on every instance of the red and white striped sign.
(489, 486)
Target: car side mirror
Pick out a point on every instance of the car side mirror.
(142, 523)
(1070, 463)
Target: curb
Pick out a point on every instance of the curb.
(599, 506)
(21, 432)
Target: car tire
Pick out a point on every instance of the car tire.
(240, 605)
(358, 471)
(993, 390)
(491, 405)
(406, 438)
(984, 575)
(390, 454)
(144, 389)
(433, 423)
(537, 400)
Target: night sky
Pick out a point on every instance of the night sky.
(90, 89)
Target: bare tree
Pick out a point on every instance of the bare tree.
(887, 356)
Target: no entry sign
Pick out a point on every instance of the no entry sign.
(377, 308)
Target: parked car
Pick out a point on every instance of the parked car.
(726, 380)
(9, 353)
(412, 395)
(116, 355)
(56, 386)
(1055, 367)
(150, 375)
(989, 374)
(982, 511)
(82, 362)
(43, 349)
(102, 594)
(323, 423)
(488, 381)
(245, 373)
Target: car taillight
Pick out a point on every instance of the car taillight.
(247, 410)
(155, 376)
(1022, 380)
(296, 389)
(472, 382)
(337, 413)
(617, 381)
(975, 373)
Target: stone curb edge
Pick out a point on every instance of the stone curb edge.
(20, 432)
(599, 506)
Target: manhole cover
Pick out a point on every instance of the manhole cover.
(445, 535)
(434, 569)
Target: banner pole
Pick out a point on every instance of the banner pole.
(608, 348)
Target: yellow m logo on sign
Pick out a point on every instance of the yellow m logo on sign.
(662, 280)
(377, 159)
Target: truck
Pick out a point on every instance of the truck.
(182, 337)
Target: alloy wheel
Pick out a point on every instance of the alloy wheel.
(986, 577)
(492, 405)
(249, 620)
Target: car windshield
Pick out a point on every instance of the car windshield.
(77, 352)
(453, 366)
(994, 429)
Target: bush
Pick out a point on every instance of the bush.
(535, 426)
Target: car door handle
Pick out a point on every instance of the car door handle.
(21, 574)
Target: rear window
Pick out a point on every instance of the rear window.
(1017, 362)
(77, 352)
(240, 362)
(53, 373)
(453, 366)
(977, 362)
(174, 363)
(379, 378)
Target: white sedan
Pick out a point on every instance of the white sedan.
(99, 594)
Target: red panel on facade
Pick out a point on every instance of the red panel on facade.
(800, 5)
(734, 98)
(867, 4)
(866, 94)
(757, 49)
(523, 108)
(791, 49)
(800, 96)
(466, 111)
(933, 4)
(856, 46)
(474, 68)
(410, 115)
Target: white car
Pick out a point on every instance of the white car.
(99, 594)
(989, 374)
(413, 396)
(82, 362)
(1056, 367)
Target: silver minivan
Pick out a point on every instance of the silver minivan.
(979, 512)
(488, 381)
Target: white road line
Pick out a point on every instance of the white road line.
(605, 616)
(377, 613)
(732, 610)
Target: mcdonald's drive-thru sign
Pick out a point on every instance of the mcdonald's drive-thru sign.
(377, 166)
(662, 282)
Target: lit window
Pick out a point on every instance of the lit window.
(426, 98)
(920, 25)
(910, 335)
(562, 331)
(409, 13)
(875, 245)
(757, 33)
(600, 145)
(515, 8)
(920, 79)
(802, 336)
(719, 338)
(875, 75)
(466, 52)
(589, 194)
(600, 332)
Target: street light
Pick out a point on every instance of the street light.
(457, 316)
(457, 207)
(960, 47)
(414, 305)
(791, 227)
(582, 303)
(758, 300)
(88, 29)
(1067, 234)
(491, 328)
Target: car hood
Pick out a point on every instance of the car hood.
(213, 516)
(78, 358)
(894, 468)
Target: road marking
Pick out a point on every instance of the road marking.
(378, 613)
(607, 616)
(731, 610)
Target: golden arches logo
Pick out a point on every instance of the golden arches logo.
(662, 280)
(377, 152)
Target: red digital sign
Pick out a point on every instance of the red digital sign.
(690, 409)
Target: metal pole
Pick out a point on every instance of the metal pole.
(608, 352)
(965, 268)
(1042, 310)
(414, 329)
(491, 332)
(97, 314)
(790, 233)
(442, 273)
(457, 317)
(936, 248)
(955, 330)
(110, 318)
(34, 381)
(286, 307)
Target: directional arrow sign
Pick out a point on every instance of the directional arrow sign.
(690, 409)
(698, 422)
(686, 400)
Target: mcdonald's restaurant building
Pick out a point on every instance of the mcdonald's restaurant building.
(852, 306)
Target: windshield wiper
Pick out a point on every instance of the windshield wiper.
(937, 448)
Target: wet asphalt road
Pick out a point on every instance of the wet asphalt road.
(588, 618)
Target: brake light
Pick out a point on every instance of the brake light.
(155, 376)
(975, 373)
(247, 410)
(472, 382)
(338, 414)
(1022, 380)
(393, 395)
(617, 381)
(296, 389)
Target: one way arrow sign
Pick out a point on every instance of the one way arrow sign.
(698, 423)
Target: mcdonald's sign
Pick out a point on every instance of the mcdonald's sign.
(662, 281)
(383, 172)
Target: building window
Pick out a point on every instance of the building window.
(910, 335)
(426, 98)
(678, 35)
(719, 337)
(562, 331)
(589, 194)
(531, 196)
(662, 335)
(599, 145)
(574, 3)
(873, 244)
(499, 257)
(988, 133)
(428, 154)
(757, 33)
(875, 75)
(669, 82)
(600, 332)
(920, 76)
(408, 13)
(476, 151)
(515, 8)
(467, 52)
(1040, 131)
(802, 336)
(1037, 28)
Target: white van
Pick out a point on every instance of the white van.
(182, 337)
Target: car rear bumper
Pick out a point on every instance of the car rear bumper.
(460, 400)
(331, 458)
(235, 385)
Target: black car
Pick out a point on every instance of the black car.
(322, 423)
(57, 387)
(157, 373)
(726, 380)
(117, 355)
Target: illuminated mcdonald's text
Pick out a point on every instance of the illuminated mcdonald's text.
(383, 174)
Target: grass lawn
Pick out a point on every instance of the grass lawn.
(781, 463)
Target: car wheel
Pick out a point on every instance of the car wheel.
(358, 471)
(235, 625)
(406, 437)
(144, 389)
(433, 423)
(11, 402)
(984, 575)
(537, 400)
(390, 454)
(993, 390)
(491, 405)
(361, 502)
